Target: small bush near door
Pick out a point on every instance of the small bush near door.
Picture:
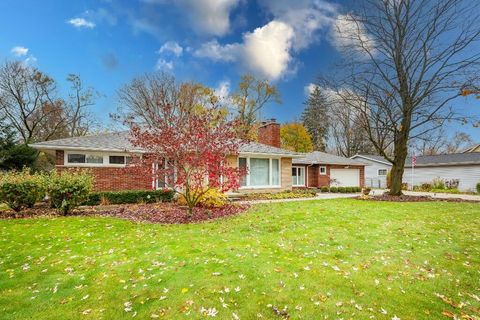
(129, 196)
(324, 189)
(478, 188)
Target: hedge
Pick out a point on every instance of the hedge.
(129, 196)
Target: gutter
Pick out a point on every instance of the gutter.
(57, 147)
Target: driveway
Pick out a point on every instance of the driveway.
(319, 196)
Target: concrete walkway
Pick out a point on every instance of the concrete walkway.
(320, 196)
(439, 195)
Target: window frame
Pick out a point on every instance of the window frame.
(382, 175)
(304, 176)
(105, 156)
(270, 172)
(320, 170)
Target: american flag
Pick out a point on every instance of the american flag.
(414, 160)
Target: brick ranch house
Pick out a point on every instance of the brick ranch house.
(269, 167)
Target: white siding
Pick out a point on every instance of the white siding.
(469, 176)
(372, 179)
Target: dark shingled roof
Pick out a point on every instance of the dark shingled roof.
(118, 142)
(318, 157)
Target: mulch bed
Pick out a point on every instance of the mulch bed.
(165, 213)
(405, 198)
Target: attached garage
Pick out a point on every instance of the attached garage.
(345, 177)
(319, 169)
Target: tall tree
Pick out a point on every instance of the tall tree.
(28, 102)
(294, 136)
(315, 118)
(439, 142)
(81, 98)
(249, 99)
(160, 95)
(405, 63)
(348, 136)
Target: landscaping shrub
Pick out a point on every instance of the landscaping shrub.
(324, 189)
(306, 193)
(213, 198)
(348, 189)
(452, 184)
(478, 187)
(333, 189)
(128, 196)
(21, 189)
(68, 189)
(341, 189)
(438, 183)
(358, 189)
(426, 187)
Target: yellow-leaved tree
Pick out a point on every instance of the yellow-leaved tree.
(294, 136)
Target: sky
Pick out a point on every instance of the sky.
(214, 42)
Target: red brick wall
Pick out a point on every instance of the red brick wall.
(269, 133)
(110, 178)
(59, 157)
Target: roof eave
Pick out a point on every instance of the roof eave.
(444, 164)
(47, 147)
(270, 154)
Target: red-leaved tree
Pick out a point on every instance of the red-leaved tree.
(188, 152)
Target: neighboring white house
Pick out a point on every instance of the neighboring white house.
(375, 171)
(462, 166)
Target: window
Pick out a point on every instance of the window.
(382, 172)
(298, 176)
(261, 172)
(116, 159)
(275, 172)
(242, 164)
(90, 158)
(95, 159)
(76, 158)
(323, 170)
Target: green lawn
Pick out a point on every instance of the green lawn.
(333, 258)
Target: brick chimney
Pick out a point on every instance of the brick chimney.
(269, 133)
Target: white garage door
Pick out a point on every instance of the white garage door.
(345, 177)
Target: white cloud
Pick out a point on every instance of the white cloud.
(164, 65)
(309, 88)
(30, 61)
(210, 16)
(306, 17)
(215, 51)
(173, 47)
(269, 50)
(81, 23)
(19, 51)
(348, 33)
(265, 51)
(222, 91)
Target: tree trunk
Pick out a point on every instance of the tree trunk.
(400, 153)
